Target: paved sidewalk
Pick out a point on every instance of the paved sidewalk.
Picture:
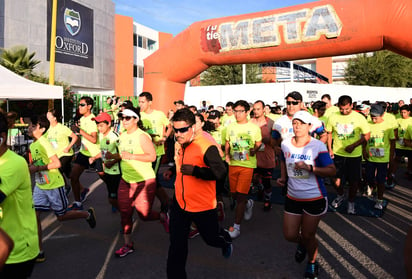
(349, 246)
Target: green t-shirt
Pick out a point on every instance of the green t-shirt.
(109, 143)
(402, 127)
(89, 126)
(134, 170)
(408, 133)
(330, 111)
(226, 120)
(108, 109)
(379, 143)
(347, 129)
(58, 136)
(41, 151)
(241, 138)
(17, 217)
(154, 123)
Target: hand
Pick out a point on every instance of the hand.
(365, 154)
(187, 169)
(281, 181)
(252, 152)
(349, 148)
(66, 150)
(91, 160)
(109, 164)
(302, 166)
(227, 158)
(167, 175)
(331, 154)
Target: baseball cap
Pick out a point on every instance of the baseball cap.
(179, 102)
(363, 107)
(303, 116)
(213, 114)
(103, 116)
(376, 110)
(295, 95)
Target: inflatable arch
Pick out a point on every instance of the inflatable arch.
(318, 29)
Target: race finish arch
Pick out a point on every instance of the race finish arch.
(318, 29)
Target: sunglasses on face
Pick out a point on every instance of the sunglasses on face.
(181, 130)
(82, 105)
(127, 118)
(292, 103)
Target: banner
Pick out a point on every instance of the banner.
(74, 33)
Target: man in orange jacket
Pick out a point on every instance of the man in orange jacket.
(198, 166)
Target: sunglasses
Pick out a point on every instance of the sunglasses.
(239, 111)
(127, 118)
(82, 105)
(181, 130)
(292, 103)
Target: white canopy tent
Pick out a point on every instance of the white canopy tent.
(15, 87)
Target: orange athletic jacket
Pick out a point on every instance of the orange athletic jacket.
(197, 192)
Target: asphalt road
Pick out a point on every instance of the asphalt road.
(349, 246)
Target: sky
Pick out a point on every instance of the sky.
(172, 16)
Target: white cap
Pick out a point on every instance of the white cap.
(128, 112)
(303, 116)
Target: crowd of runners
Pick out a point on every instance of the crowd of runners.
(211, 152)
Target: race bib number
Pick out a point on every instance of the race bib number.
(377, 152)
(54, 144)
(297, 173)
(41, 178)
(241, 155)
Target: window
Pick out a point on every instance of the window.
(141, 71)
(134, 39)
(134, 70)
(151, 44)
(140, 41)
(144, 43)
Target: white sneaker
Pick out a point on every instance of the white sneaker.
(368, 191)
(249, 210)
(351, 208)
(379, 204)
(234, 233)
(338, 201)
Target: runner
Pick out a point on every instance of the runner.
(304, 161)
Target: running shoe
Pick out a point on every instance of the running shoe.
(75, 206)
(389, 185)
(312, 271)
(92, 218)
(249, 210)
(193, 232)
(379, 204)
(41, 258)
(300, 253)
(220, 211)
(227, 251)
(338, 201)
(267, 205)
(234, 233)
(84, 194)
(124, 251)
(351, 208)
(164, 219)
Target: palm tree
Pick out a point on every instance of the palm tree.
(18, 60)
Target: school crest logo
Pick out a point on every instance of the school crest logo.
(72, 21)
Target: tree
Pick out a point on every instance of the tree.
(382, 68)
(18, 60)
(230, 74)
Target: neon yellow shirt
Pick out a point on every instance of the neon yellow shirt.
(89, 126)
(58, 136)
(227, 120)
(274, 116)
(242, 137)
(408, 133)
(155, 123)
(18, 218)
(41, 150)
(134, 170)
(347, 129)
(379, 143)
(402, 127)
(330, 111)
(109, 143)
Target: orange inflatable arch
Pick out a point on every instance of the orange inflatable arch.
(318, 29)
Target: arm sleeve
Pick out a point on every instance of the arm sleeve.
(216, 168)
